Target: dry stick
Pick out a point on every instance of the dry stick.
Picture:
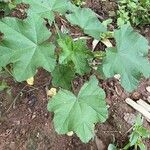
(36, 88)
(94, 44)
(98, 16)
(81, 38)
(138, 108)
(107, 43)
(15, 99)
(144, 104)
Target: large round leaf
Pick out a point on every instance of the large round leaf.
(79, 114)
(25, 46)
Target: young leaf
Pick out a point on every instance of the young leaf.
(62, 76)
(86, 19)
(112, 147)
(76, 52)
(46, 8)
(3, 85)
(139, 133)
(24, 45)
(79, 114)
(128, 58)
(134, 137)
(142, 146)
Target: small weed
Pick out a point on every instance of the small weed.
(136, 138)
(137, 12)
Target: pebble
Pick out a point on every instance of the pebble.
(99, 143)
(117, 76)
(17, 122)
(12, 145)
(135, 96)
(34, 115)
(129, 118)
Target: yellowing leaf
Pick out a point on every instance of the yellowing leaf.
(52, 92)
(30, 81)
(107, 43)
(70, 133)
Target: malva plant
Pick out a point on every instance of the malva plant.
(26, 45)
(6, 6)
(139, 133)
(78, 2)
(132, 11)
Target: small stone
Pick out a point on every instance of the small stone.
(129, 118)
(23, 131)
(33, 116)
(17, 122)
(38, 134)
(135, 96)
(117, 76)
(148, 89)
(12, 145)
(99, 143)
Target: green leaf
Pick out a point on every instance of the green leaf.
(143, 132)
(112, 147)
(142, 146)
(86, 19)
(128, 58)
(25, 45)
(5, 56)
(79, 114)
(139, 121)
(139, 133)
(76, 52)
(62, 76)
(134, 137)
(3, 86)
(46, 8)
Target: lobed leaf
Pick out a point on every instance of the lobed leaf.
(79, 114)
(86, 19)
(62, 76)
(46, 8)
(26, 46)
(128, 58)
(76, 52)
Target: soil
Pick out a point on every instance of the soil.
(25, 123)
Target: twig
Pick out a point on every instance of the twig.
(15, 99)
(139, 108)
(36, 88)
(144, 104)
(98, 16)
(81, 38)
